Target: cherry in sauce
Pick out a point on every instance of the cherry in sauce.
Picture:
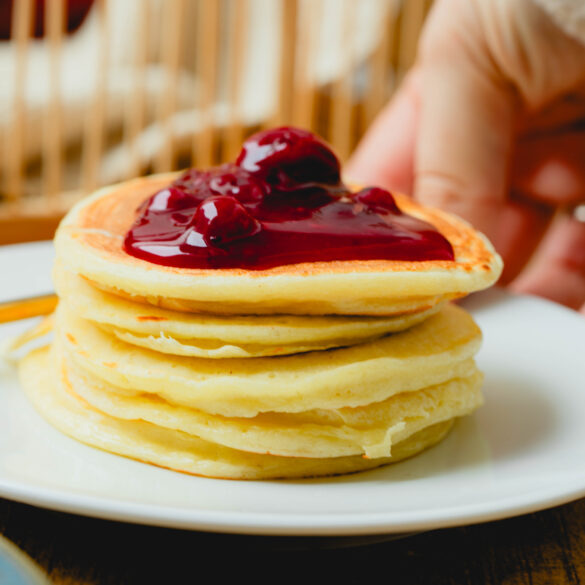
(290, 159)
(282, 202)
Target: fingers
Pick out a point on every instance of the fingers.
(522, 224)
(385, 155)
(465, 139)
(558, 270)
(450, 137)
(549, 167)
(548, 171)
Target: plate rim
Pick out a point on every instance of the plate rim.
(271, 524)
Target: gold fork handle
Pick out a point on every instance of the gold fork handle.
(30, 307)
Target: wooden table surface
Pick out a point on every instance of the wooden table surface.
(542, 548)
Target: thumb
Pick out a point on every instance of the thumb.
(465, 135)
(385, 156)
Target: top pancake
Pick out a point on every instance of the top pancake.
(89, 242)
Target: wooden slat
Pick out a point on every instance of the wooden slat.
(15, 229)
(30, 218)
(413, 15)
(170, 43)
(286, 73)
(21, 30)
(53, 135)
(136, 103)
(93, 140)
(380, 73)
(237, 42)
(305, 90)
(341, 118)
(207, 60)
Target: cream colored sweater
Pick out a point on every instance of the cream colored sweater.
(568, 14)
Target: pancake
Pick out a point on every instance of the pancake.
(55, 398)
(89, 242)
(305, 369)
(439, 349)
(369, 430)
(221, 336)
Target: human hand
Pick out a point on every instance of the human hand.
(490, 125)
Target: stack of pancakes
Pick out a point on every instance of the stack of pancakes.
(301, 370)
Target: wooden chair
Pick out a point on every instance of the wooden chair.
(142, 86)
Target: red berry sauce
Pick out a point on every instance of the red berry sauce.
(282, 202)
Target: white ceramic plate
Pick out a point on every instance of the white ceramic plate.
(523, 451)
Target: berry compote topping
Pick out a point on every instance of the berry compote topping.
(289, 159)
(282, 202)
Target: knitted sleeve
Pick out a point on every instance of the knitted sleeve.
(568, 14)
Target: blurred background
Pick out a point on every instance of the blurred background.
(98, 91)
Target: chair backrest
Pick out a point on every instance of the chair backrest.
(98, 91)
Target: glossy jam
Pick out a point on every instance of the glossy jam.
(282, 202)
